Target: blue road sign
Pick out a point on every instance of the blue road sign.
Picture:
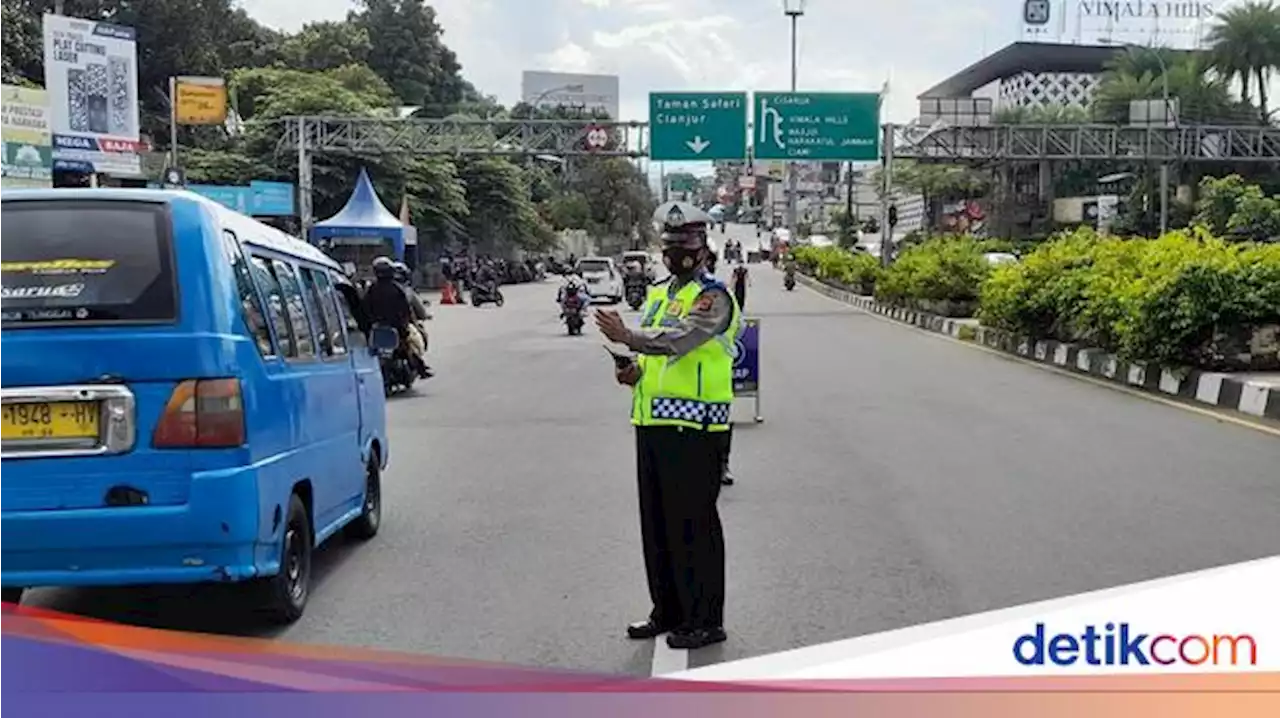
(746, 363)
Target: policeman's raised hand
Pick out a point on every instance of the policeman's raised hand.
(612, 326)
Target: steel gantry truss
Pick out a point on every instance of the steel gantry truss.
(422, 136)
(1191, 143)
(371, 135)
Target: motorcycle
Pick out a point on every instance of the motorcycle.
(636, 286)
(571, 310)
(486, 293)
(398, 373)
(789, 279)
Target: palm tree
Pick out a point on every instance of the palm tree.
(1245, 43)
(1138, 75)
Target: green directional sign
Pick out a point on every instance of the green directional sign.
(686, 126)
(817, 126)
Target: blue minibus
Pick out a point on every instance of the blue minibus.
(188, 396)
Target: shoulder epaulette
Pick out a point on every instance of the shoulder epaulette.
(710, 281)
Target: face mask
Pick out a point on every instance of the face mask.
(681, 261)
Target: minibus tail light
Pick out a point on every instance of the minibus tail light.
(202, 413)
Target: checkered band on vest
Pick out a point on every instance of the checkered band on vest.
(717, 414)
(692, 411)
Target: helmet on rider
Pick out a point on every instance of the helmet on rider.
(402, 271)
(384, 268)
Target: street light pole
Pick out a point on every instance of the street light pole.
(792, 9)
(1164, 166)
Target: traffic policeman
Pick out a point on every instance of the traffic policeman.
(682, 379)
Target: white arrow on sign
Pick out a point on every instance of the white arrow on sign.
(697, 144)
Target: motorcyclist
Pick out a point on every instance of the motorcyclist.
(573, 281)
(417, 333)
(487, 275)
(633, 268)
(389, 304)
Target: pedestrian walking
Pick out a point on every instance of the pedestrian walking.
(682, 379)
(740, 282)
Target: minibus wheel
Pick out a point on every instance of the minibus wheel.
(366, 524)
(286, 593)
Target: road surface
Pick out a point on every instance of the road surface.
(899, 478)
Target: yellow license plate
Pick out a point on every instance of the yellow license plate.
(49, 420)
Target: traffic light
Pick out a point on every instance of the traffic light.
(893, 215)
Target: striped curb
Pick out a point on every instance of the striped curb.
(1214, 388)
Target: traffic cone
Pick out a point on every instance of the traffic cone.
(448, 295)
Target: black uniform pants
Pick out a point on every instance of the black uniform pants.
(728, 443)
(679, 475)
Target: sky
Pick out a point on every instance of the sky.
(657, 45)
(709, 45)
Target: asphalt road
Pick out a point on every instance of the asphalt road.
(899, 478)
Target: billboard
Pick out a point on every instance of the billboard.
(259, 199)
(28, 155)
(1178, 24)
(91, 74)
(560, 89)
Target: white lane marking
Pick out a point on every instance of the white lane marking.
(667, 660)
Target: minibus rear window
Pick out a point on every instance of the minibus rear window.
(86, 262)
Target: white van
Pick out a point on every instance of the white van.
(604, 281)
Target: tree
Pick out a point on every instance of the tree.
(568, 210)
(620, 202)
(437, 200)
(1245, 44)
(1257, 218)
(1219, 198)
(268, 94)
(327, 45)
(410, 55)
(938, 183)
(175, 37)
(501, 213)
(385, 54)
(846, 227)
(1137, 75)
(1230, 207)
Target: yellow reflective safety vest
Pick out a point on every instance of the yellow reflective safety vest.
(696, 390)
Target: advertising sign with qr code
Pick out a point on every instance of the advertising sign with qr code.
(91, 75)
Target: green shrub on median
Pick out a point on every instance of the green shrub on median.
(854, 270)
(1185, 298)
(944, 275)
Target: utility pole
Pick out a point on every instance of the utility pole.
(848, 198)
(792, 9)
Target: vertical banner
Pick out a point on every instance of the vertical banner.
(200, 100)
(91, 74)
(28, 153)
(746, 362)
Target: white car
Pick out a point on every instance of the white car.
(604, 281)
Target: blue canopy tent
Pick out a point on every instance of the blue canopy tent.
(362, 227)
